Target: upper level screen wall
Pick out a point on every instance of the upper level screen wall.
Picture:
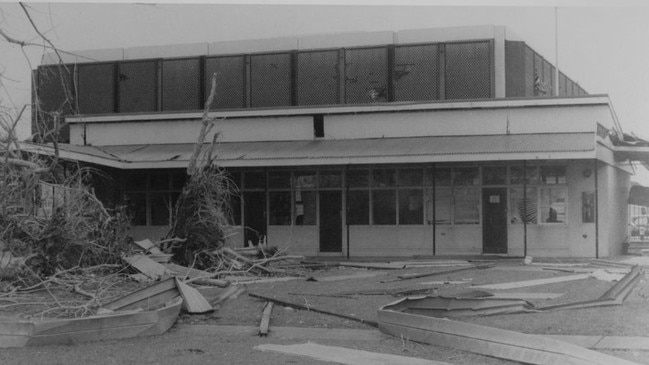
(181, 84)
(270, 80)
(468, 70)
(366, 75)
(231, 81)
(317, 78)
(137, 86)
(96, 88)
(415, 73)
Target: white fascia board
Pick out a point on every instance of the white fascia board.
(340, 161)
(355, 109)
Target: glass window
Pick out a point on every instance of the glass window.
(254, 180)
(494, 175)
(159, 182)
(466, 176)
(442, 177)
(384, 207)
(279, 179)
(235, 209)
(523, 210)
(305, 208)
(358, 207)
(135, 182)
(137, 208)
(160, 208)
(305, 180)
(553, 174)
(181, 84)
(358, 178)
(442, 203)
(54, 83)
(467, 206)
(137, 86)
(279, 208)
(518, 176)
(331, 179)
(411, 207)
(383, 178)
(411, 177)
(178, 180)
(553, 205)
(96, 92)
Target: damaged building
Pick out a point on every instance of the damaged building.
(419, 142)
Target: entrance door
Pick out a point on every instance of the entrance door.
(254, 217)
(494, 220)
(331, 225)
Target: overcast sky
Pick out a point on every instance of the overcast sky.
(603, 44)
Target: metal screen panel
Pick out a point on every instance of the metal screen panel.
(562, 84)
(416, 73)
(317, 78)
(231, 81)
(181, 84)
(366, 75)
(529, 72)
(547, 77)
(137, 86)
(468, 70)
(55, 88)
(270, 80)
(96, 88)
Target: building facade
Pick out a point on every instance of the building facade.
(421, 142)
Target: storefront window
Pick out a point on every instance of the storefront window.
(136, 203)
(280, 208)
(331, 179)
(442, 204)
(383, 178)
(358, 178)
(411, 209)
(441, 177)
(467, 206)
(305, 208)
(160, 209)
(520, 176)
(358, 207)
(411, 177)
(279, 180)
(553, 174)
(553, 205)
(466, 176)
(494, 175)
(384, 210)
(254, 180)
(305, 180)
(523, 210)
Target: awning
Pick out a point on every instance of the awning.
(639, 195)
(340, 152)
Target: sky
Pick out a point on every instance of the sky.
(602, 44)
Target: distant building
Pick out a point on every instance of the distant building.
(418, 142)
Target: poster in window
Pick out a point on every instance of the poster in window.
(588, 207)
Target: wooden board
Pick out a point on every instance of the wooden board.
(265, 319)
(504, 344)
(149, 297)
(193, 301)
(343, 355)
(527, 295)
(147, 266)
(148, 247)
(526, 283)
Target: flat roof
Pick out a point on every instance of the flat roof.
(429, 149)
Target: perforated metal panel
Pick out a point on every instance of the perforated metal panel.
(548, 79)
(366, 75)
(137, 86)
(180, 84)
(416, 73)
(317, 78)
(270, 80)
(529, 72)
(230, 90)
(468, 70)
(562, 84)
(55, 88)
(96, 88)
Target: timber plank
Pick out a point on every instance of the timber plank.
(193, 301)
